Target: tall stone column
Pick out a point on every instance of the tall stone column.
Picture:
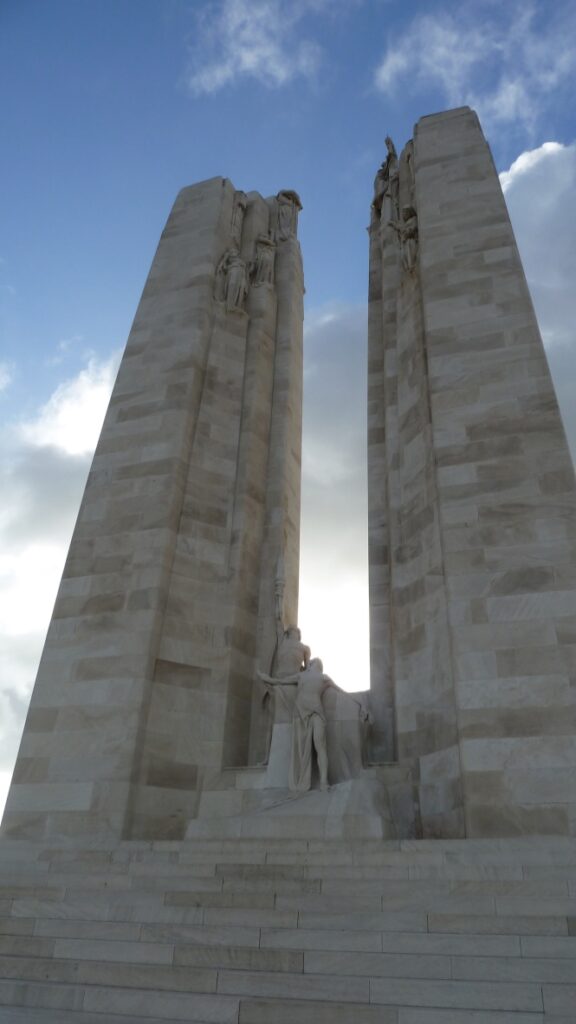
(479, 508)
(413, 696)
(146, 682)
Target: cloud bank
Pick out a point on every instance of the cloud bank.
(540, 190)
(506, 61)
(43, 467)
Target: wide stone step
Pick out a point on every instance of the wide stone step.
(280, 1011)
(29, 1015)
(296, 931)
(296, 1011)
(551, 895)
(104, 1002)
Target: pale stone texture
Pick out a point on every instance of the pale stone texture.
(166, 603)
(472, 507)
(389, 932)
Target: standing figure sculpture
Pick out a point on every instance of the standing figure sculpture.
(289, 657)
(262, 266)
(231, 281)
(289, 206)
(308, 724)
(387, 184)
(407, 231)
(292, 656)
(238, 211)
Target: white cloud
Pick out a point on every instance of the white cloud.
(5, 376)
(5, 778)
(526, 162)
(540, 189)
(505, 60)
(252, 39)
(24, 608)
(72, 418)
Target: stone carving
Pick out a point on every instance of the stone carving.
(410, 167)
(308, 716)
(292, 655)
(292, 666)
(231, 281)
(407, 231)
(238, 211)
(262, 266)
(386, 184)
(289, 206)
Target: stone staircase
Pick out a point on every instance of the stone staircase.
(289, 932)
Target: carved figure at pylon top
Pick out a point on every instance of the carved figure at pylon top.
(387, 181)
(289, 206)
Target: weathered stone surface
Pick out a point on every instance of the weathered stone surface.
(94, 949)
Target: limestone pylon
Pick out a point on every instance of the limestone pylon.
(167, 599)
(472, 502)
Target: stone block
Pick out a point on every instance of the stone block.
(463, 995)
(293, 1011)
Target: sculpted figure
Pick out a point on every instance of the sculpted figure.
(262, 267)
(410, 167)
(308, 724)
(231, 282)
(292, 655)
(288, 207)
(238, 211)
(220, 279)
(407, 231)
(386, 183)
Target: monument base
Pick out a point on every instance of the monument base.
(378, 804)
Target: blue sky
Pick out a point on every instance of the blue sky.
(111, 106)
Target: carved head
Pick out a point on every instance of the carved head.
(288, 195)
(390, 146)
(293, 633)
(317, 664)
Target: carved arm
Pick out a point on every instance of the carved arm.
(290, 680)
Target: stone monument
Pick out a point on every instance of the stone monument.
(202, 826)
(171, 694)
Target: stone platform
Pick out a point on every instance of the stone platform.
(380, 803)
(289, 932)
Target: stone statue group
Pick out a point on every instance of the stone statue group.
(234, 275)
(294, 667)
(386, 204)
